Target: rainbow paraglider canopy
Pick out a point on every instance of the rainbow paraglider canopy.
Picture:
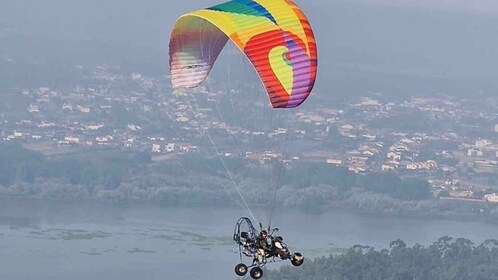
(274, 34)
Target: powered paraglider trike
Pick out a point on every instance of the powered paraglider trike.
(261, 247)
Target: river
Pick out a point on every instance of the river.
(80, 241)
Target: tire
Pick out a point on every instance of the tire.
(256, 273)
(297, 259)
(241, 269)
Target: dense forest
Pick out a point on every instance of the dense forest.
(105, 167)
(193, 180)
(445, 259)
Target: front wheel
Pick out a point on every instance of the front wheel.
(256, 273)
(297, 259)
(241, 269)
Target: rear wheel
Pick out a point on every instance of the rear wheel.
(241, 269)
(256, 273)
(297, 259)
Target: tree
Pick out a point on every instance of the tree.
(462, 261)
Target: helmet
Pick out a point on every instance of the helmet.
(263, 233)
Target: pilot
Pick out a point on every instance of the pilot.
(262, 246)
(262, 241)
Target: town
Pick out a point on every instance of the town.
(449, 141)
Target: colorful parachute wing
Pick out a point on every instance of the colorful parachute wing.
(274, 34)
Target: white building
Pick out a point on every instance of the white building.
(33, 108)
(67, 106)
(387, 167)
(482, 143)
(393, 156)
(95, 126)
(103, 139)
(491, 198)
(72, 139)
(84, 109)
(334, 161)
(170, 148)
(156, 148)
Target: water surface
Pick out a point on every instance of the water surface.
(53, 240)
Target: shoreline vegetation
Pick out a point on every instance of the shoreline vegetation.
(445, 259)
(192, 180)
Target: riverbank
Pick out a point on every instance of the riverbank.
(315, 200)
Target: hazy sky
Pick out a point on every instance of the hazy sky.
(486, 6)
(440, 39)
